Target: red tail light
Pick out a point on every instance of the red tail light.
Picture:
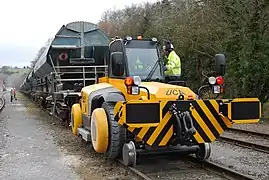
(219, 80)
(129, 81)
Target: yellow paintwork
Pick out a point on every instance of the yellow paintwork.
(212, 119)
(103, 79)
(86, 91)
(158, 91)
(242, 121)
(76, 113)
(227, 121)
(99, 125)
(207, 109)
(167, 137)
(210, 116)
(163, 93)
(202, 124)
(137, 125)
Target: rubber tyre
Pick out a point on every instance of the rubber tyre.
(99, 130)
(116, 133)
(76, 118)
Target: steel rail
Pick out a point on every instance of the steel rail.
(220, 169)
(136, 171)
(210, 166)
(249, 132)
(249, 145)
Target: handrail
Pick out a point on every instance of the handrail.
(81, 70)
(80, 79)
(81, 66)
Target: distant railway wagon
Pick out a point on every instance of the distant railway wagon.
(75, 57)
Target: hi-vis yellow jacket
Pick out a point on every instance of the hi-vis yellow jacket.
(173, 65)
(138, 64)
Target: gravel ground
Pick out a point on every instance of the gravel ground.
(33, 145)
(241, 159)
(244, 160)
(172, 168)
(247, 137)
(262, 126)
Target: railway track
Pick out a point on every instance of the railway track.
(169, 166)
(248, 139)
(175, 167)
(249, 132)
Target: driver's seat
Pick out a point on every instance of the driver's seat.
(136, 65)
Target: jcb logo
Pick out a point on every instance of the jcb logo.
(174, 92)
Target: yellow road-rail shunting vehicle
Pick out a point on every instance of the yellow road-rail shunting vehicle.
(134, 109)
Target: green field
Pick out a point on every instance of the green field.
(13, 77)
(9, 70)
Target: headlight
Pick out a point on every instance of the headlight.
(212, 80)
(154, 39)
(129, 38)
(137, 80)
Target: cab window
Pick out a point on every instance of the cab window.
(141, 61)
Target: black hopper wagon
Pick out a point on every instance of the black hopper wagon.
(75, 58)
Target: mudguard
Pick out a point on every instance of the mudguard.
(98, 93)
(93, 96)
(114, 95)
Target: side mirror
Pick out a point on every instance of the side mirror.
(220, 61)
(117, 63)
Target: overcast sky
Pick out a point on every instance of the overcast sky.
(27, 24)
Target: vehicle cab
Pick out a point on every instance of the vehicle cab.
(136, 57)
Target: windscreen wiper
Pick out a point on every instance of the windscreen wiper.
(152, 71)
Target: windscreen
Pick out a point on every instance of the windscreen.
(141, 61)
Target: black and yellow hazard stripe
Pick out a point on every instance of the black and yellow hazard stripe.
(209, 124)
(207, 120)
(164, 131)
(155, 135)
(117, 111)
